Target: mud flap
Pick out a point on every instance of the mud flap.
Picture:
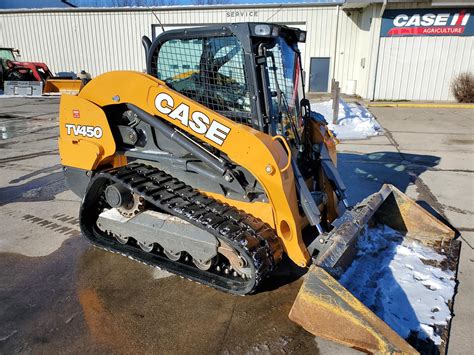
(326, 309)
(62, 86)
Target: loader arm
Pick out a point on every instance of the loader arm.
(259, 153)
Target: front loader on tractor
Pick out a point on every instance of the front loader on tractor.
(212, 166)
(11, 69)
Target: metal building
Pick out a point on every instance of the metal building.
(382, 50)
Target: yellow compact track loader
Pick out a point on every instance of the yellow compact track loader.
(213, 167)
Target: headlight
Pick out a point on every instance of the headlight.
(262, 30)
(302, 36)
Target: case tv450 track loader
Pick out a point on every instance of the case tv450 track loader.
(212, 166)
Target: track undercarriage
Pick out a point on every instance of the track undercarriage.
(246, 249)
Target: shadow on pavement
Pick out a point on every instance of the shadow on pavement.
(43, 188)
(364, 174)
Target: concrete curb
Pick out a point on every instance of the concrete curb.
(415, 105)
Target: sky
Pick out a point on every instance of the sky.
(14, 4)
(8, 4)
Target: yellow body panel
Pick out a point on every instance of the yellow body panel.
(83, 151)
(254, 150)
(262, 210)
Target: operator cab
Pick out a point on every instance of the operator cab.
(228, 68)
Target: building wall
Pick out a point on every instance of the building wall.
(421, 67)
(346, 53)
(415, 68)
(100, 41)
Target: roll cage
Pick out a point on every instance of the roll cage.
(228, 68)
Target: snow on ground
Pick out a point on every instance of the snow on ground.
(354, 120)
(390, 277)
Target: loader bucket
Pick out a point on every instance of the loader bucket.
(325, 308)
(62, 86)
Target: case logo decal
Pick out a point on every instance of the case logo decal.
(197, 120)
(427, 22)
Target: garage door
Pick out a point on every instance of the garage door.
(422, 51)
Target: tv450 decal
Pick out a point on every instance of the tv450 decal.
(85, 131)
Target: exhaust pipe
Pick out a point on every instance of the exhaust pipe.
(146, 42)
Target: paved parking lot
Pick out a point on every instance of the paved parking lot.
(57, 293)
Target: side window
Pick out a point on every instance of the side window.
(178, 58)
(284, 74)
(210, 71)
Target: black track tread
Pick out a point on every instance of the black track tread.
(248, 234)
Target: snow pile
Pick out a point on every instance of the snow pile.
(396, 280)
(354, 120)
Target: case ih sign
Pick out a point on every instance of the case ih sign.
(428, 22)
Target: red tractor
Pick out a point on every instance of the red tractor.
(13, 70)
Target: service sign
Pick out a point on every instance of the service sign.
(428, 22)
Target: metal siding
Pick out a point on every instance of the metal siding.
(347, 54)
(422, 68)
(372, 51)
(100, 41)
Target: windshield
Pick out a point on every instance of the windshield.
(210, 71)
(285, 81)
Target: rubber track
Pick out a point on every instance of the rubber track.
(255, 241)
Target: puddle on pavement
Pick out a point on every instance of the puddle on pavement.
(10, 128)
(24, 130)
(39, 308)
(82, 299)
